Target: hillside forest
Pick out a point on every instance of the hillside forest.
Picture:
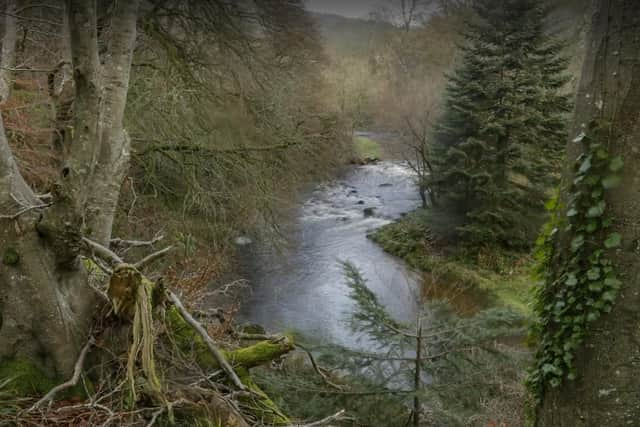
(268, 213)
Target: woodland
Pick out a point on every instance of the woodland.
(151, 149)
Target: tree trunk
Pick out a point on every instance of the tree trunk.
(115, 145)
(46, 305)
(607, 390)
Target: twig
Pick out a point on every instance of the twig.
(224, 290)
(224, 364)
(339, 416)
(24, 211)
(318, 370)
(155, 416)
(77, 370)
(152, 257)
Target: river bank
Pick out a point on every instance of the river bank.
(470, 282)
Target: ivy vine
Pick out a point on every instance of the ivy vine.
(580, 281)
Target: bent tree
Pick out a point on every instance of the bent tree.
(46, 306)
(589, 358)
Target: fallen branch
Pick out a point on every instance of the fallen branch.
(222, 361)
(77, 370)
(152, 257)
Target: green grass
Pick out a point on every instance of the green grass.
(367, 148)
(494, 278)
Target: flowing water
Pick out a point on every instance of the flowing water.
(302, 287)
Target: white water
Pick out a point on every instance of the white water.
(303, 288)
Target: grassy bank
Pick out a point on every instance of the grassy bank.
(366, 148)
(469, 281)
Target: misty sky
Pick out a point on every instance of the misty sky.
(350, 8)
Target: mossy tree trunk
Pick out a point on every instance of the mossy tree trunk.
(607, 390)
(46, 306)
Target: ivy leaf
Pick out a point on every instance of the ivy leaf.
(593, 316)
(577, 242)
(593, 273)
(616, 164)
(602, 154)
(586, 165)
(592, 226)
(612, 282)
(609, 296)
(595, 287)
(613, 241)
(572, 280)
(581, 136)
(597, 193)
(612, 181)
(597, 210)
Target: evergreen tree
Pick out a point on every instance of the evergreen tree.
(498, 144)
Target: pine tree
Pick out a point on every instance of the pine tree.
(498, 144)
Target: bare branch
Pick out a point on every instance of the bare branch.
(339, 416)
(222, 361)
(318, 370)
(103, 252)
(121, 243)
(77, 370)
(24, 211)
(152, 257)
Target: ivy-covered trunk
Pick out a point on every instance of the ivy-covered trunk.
(597, 382)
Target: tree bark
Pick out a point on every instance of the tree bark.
(46, 305)
(115, 144)
(607, 390)
(8, 59)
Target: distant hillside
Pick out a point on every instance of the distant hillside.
(349, 36)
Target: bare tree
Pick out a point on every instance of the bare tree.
(419, 157)
(45, 302)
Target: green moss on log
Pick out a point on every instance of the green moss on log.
(265, 408)
(189, 341)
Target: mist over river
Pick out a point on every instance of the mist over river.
(302, 287)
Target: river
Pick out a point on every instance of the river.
(301, 286)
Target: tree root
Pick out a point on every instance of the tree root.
(68, 384)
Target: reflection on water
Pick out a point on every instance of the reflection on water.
(302, 287)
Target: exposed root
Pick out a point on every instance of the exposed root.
(77, 370)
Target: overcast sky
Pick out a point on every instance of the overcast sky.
(350, 8)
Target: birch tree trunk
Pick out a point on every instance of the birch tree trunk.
(607, 390)
(46, 306)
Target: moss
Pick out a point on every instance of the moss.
(24, 378)
(367, 148)
(259, 353)
(490, 278)
(11, 256)
(189, 341)
(263, 407)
